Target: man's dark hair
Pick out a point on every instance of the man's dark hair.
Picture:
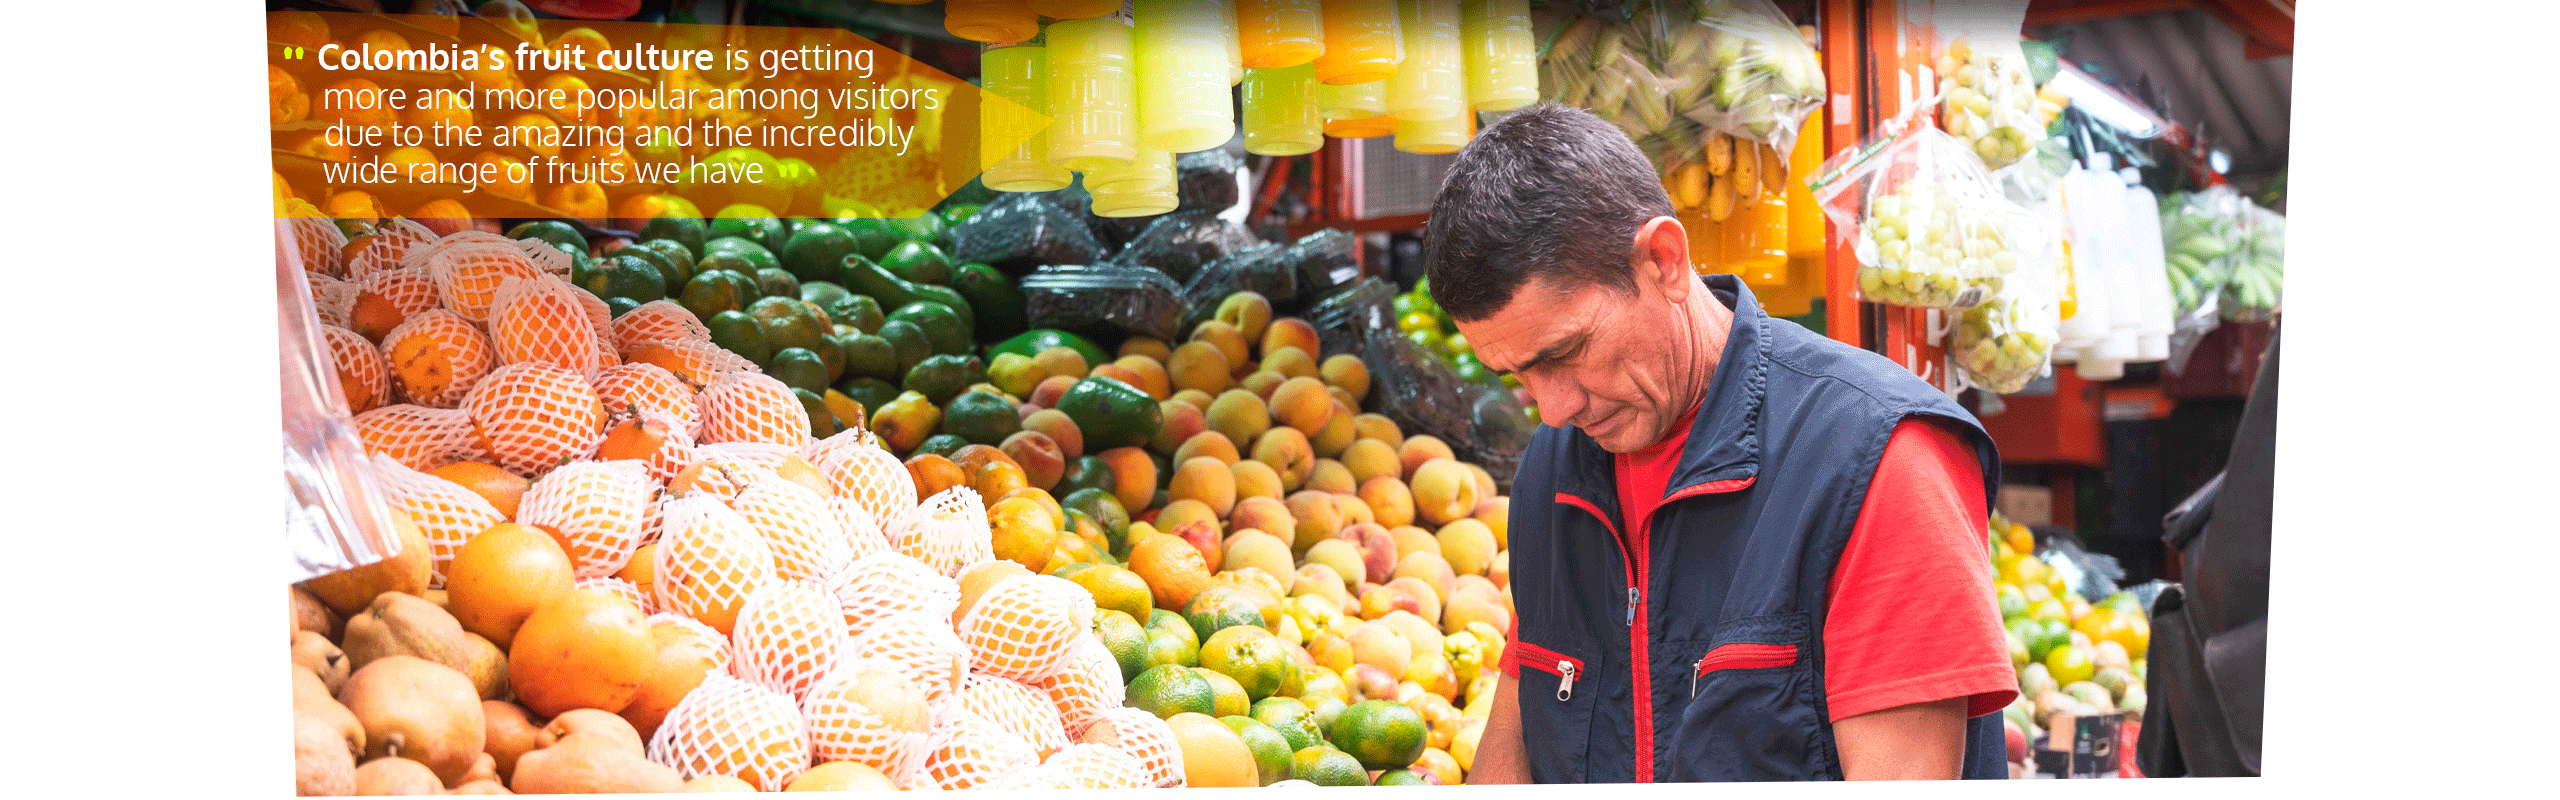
(1550, 191)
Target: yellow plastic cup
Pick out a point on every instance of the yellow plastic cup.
(1278, 34)
(1501, 53)
(1362, 41)
(1092, 94)
(1183, 104)
(1017, 72)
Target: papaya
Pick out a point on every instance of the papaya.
(401, 624)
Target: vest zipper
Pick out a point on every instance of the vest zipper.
(1564, 690)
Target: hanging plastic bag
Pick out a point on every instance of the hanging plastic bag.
(1933, 230)
(2007, 342)
(1987, 100)
(2256, 288)
(2199, 231)
(1720, 83)
(334, 515)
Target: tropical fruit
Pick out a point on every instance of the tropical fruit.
(531, 416)
(924, 648)
(708, 560)
(1095, 766)
(864, 711)
(805, 535)
(1168, 689)
(1250, 655)
(436, 357)
(1146, 738)
(789, 634)
(581, 649)
(841, 776)
(1018, 709)
(752, 407)
(416, 436)
(364, 375)
(1212, 754)
(686, 653)
(885, 583)
(446, 513)
(1087, 686)
(1325, 766)
(1023, 627)
(543, 320)
(502, 575)
(1382, 734)
(595, 510)
(649, 387)
(728, 726)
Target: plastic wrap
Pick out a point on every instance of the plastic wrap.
(1933, 229)
(1207, 180)
(334, 516)
(1262, 267)
(1021, 231)
(1324, 260)
(1484, 425)
(2092, 575)
(1683, 76)
(2256, 288)
(1344, 319)
(1106, 299)
(1180, 243)
(2199, 232)
(2007, 342)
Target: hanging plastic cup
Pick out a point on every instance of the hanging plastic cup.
(1501, 53)
(1280, 117)
(1277, 34)
(1018, 72)
(1362, 42)
(1092, 94)
(1183, 104)
(1430, 83)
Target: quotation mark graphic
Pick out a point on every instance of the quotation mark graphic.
(291, 52)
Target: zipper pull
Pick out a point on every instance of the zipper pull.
(1635, 597)
(1564, 691)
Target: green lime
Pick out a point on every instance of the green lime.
(981, 417)
(776, 282)
(687, 231)
(1327, 709)
(678, 260)
(798, 368)
(738, 333)
(618, 306)
(908, 341)
(1271, 751)
(1403, 777)
(1168, 689)
(1218, 608)
(871, 356)
(788, 322)
(872, 237)
(626, 275)
(959, 213)
(925, 228)
(941, 325)
(2012, 601)
(753, 251)
(816, 250)
(1325, 766)
(1383, 734)
(1430, 340)
(1417, 321)
(1404, 304)
(1251, 655)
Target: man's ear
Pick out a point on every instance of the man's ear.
(1662, 258)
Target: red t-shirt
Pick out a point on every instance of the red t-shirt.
(1911, 619)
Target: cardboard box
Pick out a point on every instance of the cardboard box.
(2026, 505)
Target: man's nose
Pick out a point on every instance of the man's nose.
(1557, 400)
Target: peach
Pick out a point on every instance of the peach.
(1420, 449)
(1256, 549)
(1195, 399)
(1354, 509)
(1207, 443)
(1301, 403)
(1183, 511)
(1240, 415)
(1410, 540)
(1200, 366)
(1249, 312)
(1288, 453)
(1345, 371)
(1263, 514)
(1337, 433)
(1340, 556)
(1331, 477)
(1206, 479)
(1369, 459)
(1291, 362)
(1038, 454)
(1148, 346)
(1286, 332)
(1388, 499)
(1430, 570)
(1228, 339)
(1151, 377)
(1060, 429)
(1057, 361)
(1377, 550)
(1495, 513)
(1377, 426)
(1317, 515)
(1468, 545)
(1134, 476)
(1319, 580)
(1051, 388)
(1263, 384)
(1443, 491)
(1256, 479)
(1181, 422)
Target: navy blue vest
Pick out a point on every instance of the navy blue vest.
(1720, 619)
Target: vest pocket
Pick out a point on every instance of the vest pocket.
(1755, 707)
(1556, 700)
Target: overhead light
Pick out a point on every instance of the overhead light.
(2105, 104)
(2220, 161)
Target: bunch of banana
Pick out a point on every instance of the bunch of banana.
(2196, 233)
(1702, 93)
(2257, 275)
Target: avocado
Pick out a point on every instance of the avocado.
(1032, 342)
(816, 251)
(1001, 308)
(940, 444)
(918, 262)
(1111, 413)
(941, 326)
(942, 377)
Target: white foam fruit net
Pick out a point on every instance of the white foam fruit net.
(1019, 710)
(595, 508)
(728, 726)
(418, 256)
(437, 356)
(649, 387)
(1086, 686)
(924, 648)
(603, 356)
(807, 539)
(658, 320)
(532, 416)
(361, 368)
(753, 407)
(719, 644)
(1031, 778)
(389, 248)
(1145, 739)
(888, 584)
(547, 256)
(332, 300)
(674, 452)
(420, 437)
(321, 246)
(446, 513)
(871, 477)
(541, 320)
(1026, 627)
(718, 473)
(467, 274)
(849, 437)
(698, 363)
(788, 635)
(619, 588)
(708, 561)
(408, 291)
(842, 728)
(1096, 766)
(970, 752)
(948, 531)
(861, 532)
(599, 315)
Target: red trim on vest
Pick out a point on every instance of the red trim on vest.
(1746, 655)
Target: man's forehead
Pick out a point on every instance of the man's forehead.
(1538, 317)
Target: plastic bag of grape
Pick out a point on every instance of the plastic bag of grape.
(1987, 100)
(1721, 86)
(1933, 230)
(2007, 342)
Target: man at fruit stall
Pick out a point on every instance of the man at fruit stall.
(1739, 550)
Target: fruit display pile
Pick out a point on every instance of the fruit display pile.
(2074, 658)
(748, 505)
